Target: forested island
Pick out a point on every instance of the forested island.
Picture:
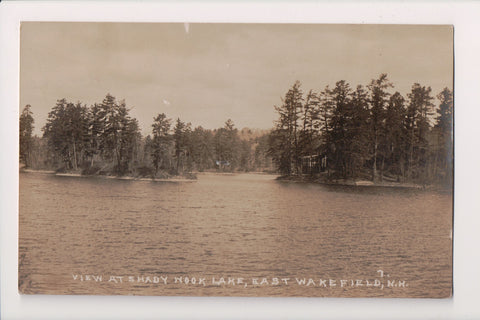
(104, 139)
(365, 134)
(336, 135)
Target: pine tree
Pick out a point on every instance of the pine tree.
(444, 130)
(180, 139)
(395, 135)
(202, 148)
(419, 110)
(147, 151)
(310, 123)
(67, 132)
(339, 125)
(226, 143)
(378, 103)
(357, 133)
(95, 129)
(108, 139)
(161, 142)
(26, 129)
(285, 141)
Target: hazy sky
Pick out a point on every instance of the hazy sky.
(207, 73)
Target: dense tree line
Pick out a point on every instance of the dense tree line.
(366, 132)
(105, 139)
(362, 133)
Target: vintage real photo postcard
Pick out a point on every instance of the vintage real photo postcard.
(206, 159)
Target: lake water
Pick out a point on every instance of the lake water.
(260, 236)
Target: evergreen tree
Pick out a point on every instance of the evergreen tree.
(226, 145)
(309, 143)
(395, 135)
(357, 133)
(285, 149)
(147, 151)
(161, 142)
(261, 150)
(378, 102)
(95, 129)
(338, 135)
(26, 129)
(444, 130)
(326, 108)
(181, 137)
(245, 155)
(115, 133)
(327, 105)
(109, 119)
(130, 145)
(202, 148)
(419, 110)
(66, 131)
(280, 150)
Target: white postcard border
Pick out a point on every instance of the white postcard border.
(465, 16)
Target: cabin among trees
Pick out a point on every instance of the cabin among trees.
(313, 164)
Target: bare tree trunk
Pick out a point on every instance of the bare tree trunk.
(383, 167)
(374, 171)
(410, 160)
(74, 156)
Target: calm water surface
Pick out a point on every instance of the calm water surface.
(239, 226)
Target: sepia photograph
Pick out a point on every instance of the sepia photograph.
(236, 159)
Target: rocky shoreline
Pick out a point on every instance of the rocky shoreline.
(79, 175)
(351, 182)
